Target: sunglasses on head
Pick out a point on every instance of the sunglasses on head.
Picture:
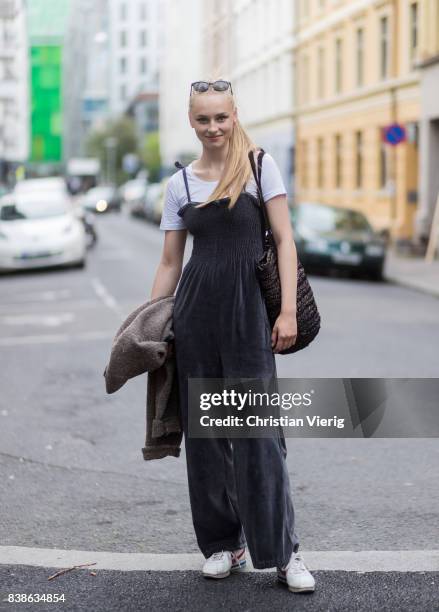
(202, 86)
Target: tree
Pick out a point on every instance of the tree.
(150, 155)
(123, 131)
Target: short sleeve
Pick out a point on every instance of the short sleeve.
(271, 179)
(170, 218)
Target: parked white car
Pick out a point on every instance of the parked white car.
(39, 229)
(52, 184)
(133, 195)
(153, 202)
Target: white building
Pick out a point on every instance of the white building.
(181, 65)
(252, 41)
(134, 46)
(14, 106)
(86, 91)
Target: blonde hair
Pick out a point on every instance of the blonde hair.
(237, 169)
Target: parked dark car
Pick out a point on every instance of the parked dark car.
(101, 199)
(336, 237)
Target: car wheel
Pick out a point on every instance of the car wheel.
(80, 264)
(377, 275)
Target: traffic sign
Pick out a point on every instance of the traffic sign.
(394, 134)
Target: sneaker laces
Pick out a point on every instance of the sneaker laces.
(297, 562)
(218, 555)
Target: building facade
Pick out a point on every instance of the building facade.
(85, 61)
(429, 118)
(134, 46)
(263, 72)
(357, 75)
(144, 110)
(181, 65)
(14, 106)
(252, 42)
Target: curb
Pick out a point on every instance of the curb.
(326, 560)
(414, 285)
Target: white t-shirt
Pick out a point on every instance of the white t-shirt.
(176, 196)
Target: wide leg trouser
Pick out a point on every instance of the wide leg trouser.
(239, 489)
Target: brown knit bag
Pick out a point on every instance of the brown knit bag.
(307, 314)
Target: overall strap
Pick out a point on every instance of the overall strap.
(181, 167)
(257, 176)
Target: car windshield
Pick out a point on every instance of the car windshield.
(101, 193)
(54, 184)
(37, 206)
(328, 219)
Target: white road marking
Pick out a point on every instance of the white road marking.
(105, 296)
(72, 304)
(56, 338)
(45, 296)
(335, 560)
(47, 320)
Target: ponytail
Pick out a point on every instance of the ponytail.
(237, 169)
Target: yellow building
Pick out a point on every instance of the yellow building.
(357, 72)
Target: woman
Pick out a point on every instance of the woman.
(239, 491)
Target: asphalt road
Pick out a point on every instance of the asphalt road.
(72, 474)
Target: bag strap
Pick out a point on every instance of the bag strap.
(257, 175)
(181, 167)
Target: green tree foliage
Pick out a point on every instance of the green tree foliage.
(123, 130)
(150, 156)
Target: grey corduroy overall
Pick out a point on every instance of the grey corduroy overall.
(239, 489)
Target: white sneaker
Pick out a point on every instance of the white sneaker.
(220, 564)
(296, 575)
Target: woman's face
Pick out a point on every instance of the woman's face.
(212, 117)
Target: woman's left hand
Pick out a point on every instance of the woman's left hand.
(284, 332)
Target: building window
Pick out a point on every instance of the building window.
(321, 72)
(123, 65)
(360, 57)
(358, 160)
(338, 161)
(320, 163)
(123, 92)
(304, 164)
(294, 81)
(143, 65)
(9, 72)
(123, 12)
(142, 38)
(292, 161)
(123, 38)
(384, 47)
(305, 8)
(384, 163)
(338, 65)
(142, 11)
(305, 79)
(413, 30)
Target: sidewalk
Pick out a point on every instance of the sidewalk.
(412, 272)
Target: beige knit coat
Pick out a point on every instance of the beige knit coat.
(141, 345)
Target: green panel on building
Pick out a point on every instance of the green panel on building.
(46, 114)
(47, 22)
